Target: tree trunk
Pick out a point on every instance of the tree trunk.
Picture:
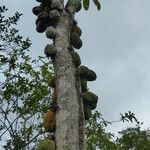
(69, 133)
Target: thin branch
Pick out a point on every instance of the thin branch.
(7, 128)
(33, 138)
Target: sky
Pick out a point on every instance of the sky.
(116, 45)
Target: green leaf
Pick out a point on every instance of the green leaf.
(86, 4)
(97, 3)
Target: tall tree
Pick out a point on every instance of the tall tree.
(59, 22)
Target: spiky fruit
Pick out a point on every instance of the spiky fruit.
(50, 50)
(83, 70)
(43, 16)
(54, 96)
(46, 144)
(90, 99)
(52, 82)
(87, 113)
(37, 9)
(79, 7)
(50, 32)
(49, 121)
(83, 85)
(77, 30)
(75, 40)
(47, 2)
(47, 9)
(54, 16)
(76, 59)
(91, 75)
(40, 26)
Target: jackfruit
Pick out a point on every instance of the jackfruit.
(49, 121)
(90, 99)
(50, 50)
(40, 26)
(43, 16)
(91, 75)
(76, 59)
(77, 30)
(46, 144)
(54, 16)
(75, 40)
(47, 2)
(50, 32)
(83, 70)
(37, 9)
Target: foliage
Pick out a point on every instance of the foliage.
(128, 139)
(86, 4)
(97, 137)
(24, 92)
(134, 138)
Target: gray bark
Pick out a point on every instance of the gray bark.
(69, 133)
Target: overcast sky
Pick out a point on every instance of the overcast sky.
(116, 44)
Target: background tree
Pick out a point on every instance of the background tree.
(24, 91)
(130, 138)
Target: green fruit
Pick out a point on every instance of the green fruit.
(83, 70)
(46, 144)
(90, 99)
(36, 10)
(77, 30)
(83, 85)
(50, 50)
(46, 2)
(91, 75)
(50, 32)
(40, 26)
(75, 40)
(54, 16)
(76, 59)
(87, 113)
(43, 16)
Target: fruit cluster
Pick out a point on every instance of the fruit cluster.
(89, 99)
(48, 14)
